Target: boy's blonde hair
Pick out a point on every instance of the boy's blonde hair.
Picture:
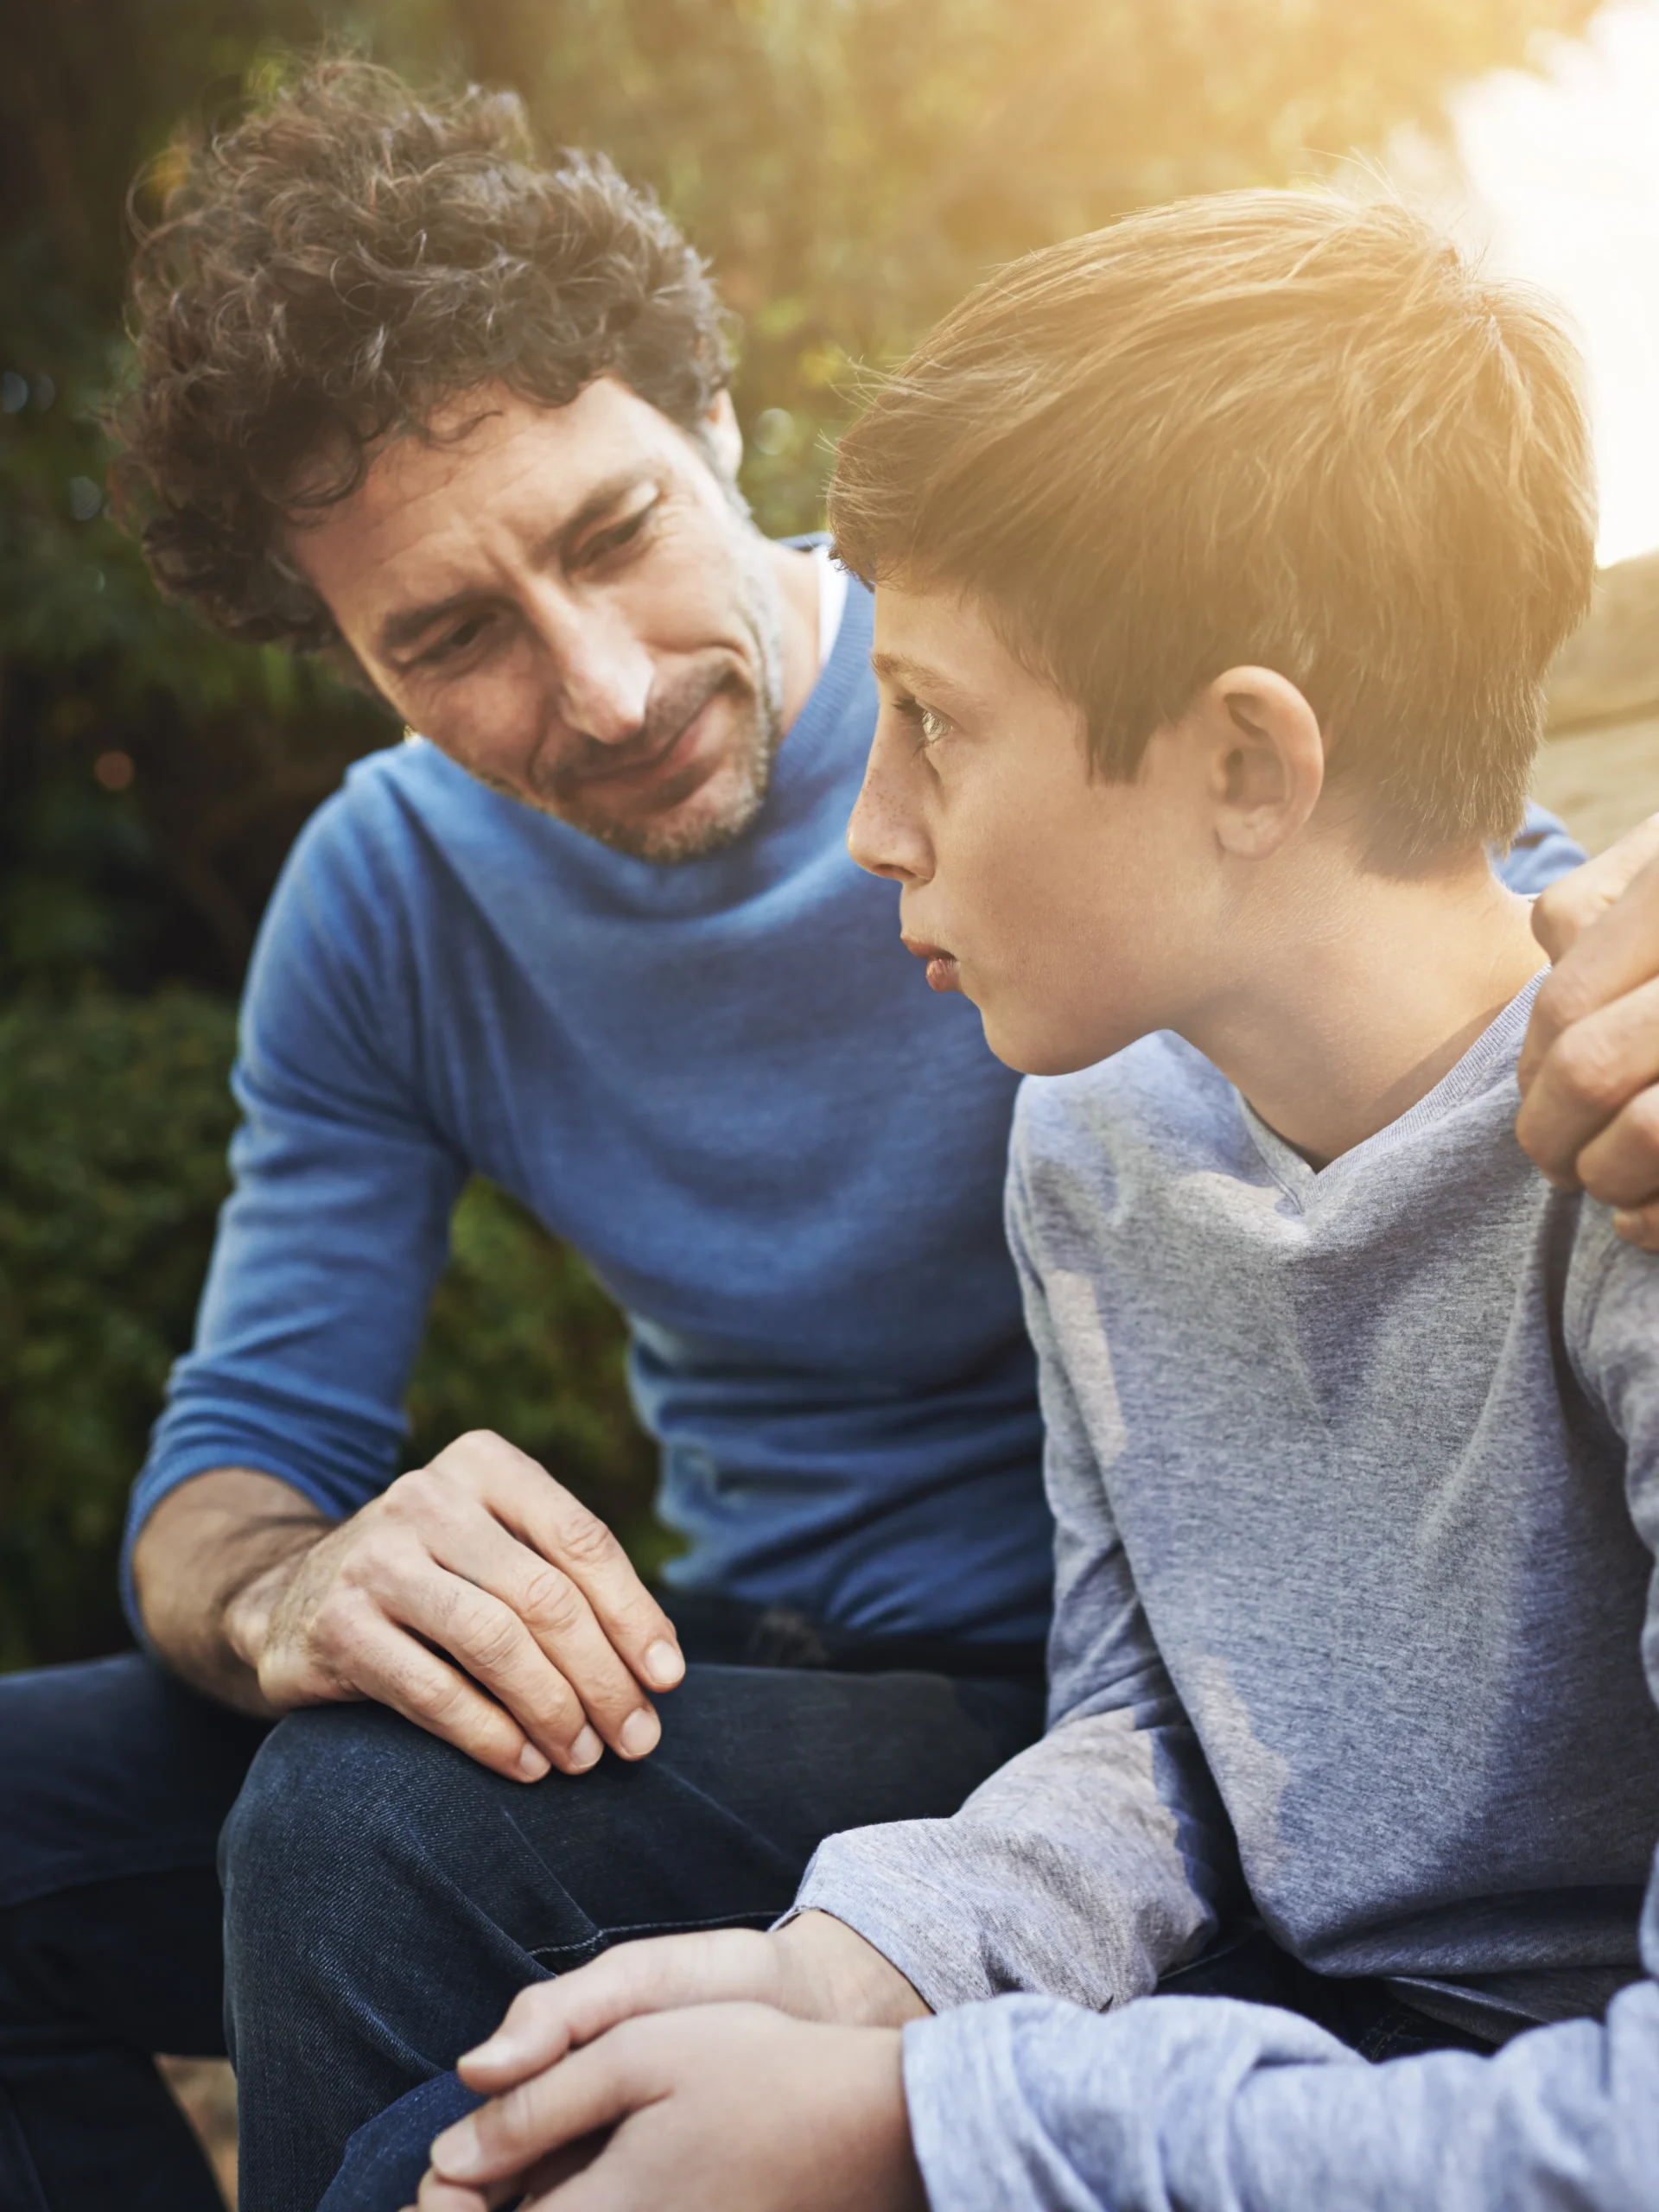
(1267, 427)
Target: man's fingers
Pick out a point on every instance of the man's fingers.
(1639, 1225)
(490, 1645)
(531, 1629)
(1566, 909)
(660, 1974)
(1593, 965)
(1593, 1070)
(397, 1670)
(1620, 1166)
(543, 1514)
(591, 2089)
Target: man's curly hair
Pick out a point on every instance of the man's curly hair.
(330, 271)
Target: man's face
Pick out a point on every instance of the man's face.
(1061, 904)
(570, 603)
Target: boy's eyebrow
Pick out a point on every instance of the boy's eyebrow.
(900, 668)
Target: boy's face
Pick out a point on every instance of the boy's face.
(1067, 908)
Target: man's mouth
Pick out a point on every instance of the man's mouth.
(942, 973)
(645, 768)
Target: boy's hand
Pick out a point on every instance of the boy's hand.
(720, 2109)
(815, 1969)
(1589, 1073)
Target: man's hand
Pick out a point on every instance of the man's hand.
(817, 1968)
(721, 2108)
(477, 1596)
(1589, 1112)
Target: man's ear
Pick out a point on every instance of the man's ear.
(1264, 759)
(722, 437)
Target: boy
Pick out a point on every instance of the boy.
(1219, 558)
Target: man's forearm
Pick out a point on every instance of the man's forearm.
(208, 1568)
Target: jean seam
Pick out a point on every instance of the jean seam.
(604, 1936)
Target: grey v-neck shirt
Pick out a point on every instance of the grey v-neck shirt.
(1357, 1481)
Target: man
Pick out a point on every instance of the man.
(462, 422)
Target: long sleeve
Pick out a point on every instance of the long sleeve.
(1219, 2106)
(1212, 2106)
(328, 1246)
(1098, 1858)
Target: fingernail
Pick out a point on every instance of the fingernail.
(586, 1749)
(532, 1763)
(455, 2153)
(641, 1732)
(663, 1664)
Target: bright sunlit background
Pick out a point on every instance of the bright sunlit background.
(1561, 175)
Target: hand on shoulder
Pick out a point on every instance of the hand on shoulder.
(1589, 1073)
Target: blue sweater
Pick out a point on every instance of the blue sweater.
(729, 1086)
(726, 1083)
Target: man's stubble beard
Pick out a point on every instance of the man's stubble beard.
(744, 776)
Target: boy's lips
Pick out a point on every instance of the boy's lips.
(942, 972)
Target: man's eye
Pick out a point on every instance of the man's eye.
(458, 640)
(620, 534)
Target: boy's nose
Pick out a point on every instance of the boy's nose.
(883, 834)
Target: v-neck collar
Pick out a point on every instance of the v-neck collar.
(1491, 1056)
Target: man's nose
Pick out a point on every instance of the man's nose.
(601, 674)
(886, 835)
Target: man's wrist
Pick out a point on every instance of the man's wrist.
(248, 1607)
(209, 1567)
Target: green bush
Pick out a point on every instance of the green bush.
(522, 1340)
(114, 1116)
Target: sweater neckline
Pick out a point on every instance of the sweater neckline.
(1491, 1058)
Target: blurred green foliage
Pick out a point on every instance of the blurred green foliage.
(114, 1116)
(113, 1121)
(849, 166)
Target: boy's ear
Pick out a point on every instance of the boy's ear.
(1264, 759)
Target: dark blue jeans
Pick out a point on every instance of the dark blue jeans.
(114, 1784)
(384, 1896)
(385, 2160)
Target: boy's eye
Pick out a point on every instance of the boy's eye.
(929, 724)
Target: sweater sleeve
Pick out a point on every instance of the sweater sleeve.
(1094, 1860)
(337, 1225)
(1542, 851)
(1220, 2107)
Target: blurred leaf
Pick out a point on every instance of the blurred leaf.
(114, 1118)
